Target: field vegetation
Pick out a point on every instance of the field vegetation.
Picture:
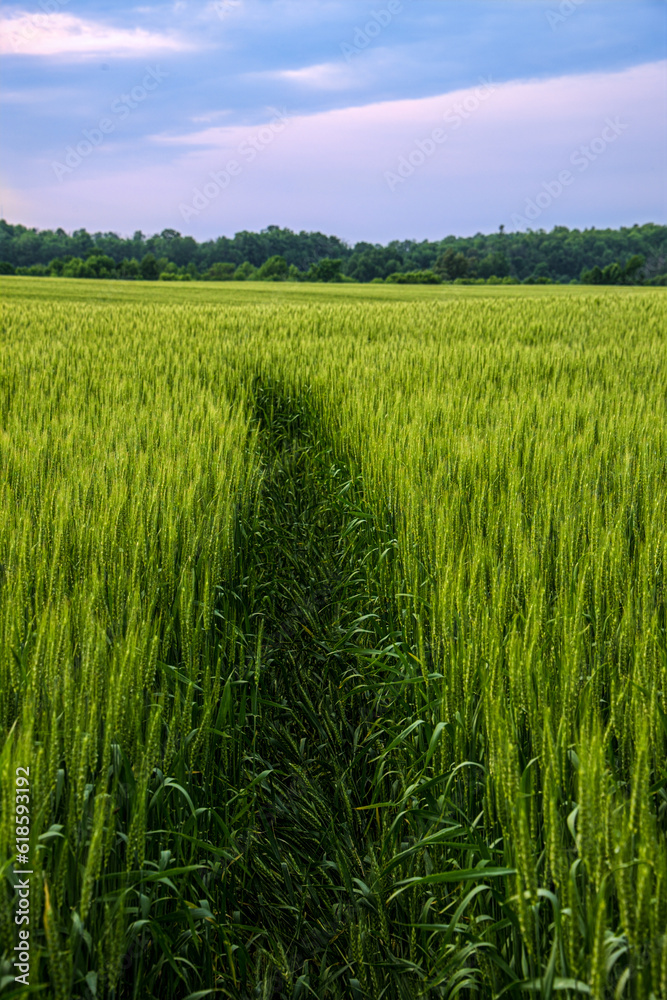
(332, 631)
(627, 256)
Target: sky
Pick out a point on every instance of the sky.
(390, 119)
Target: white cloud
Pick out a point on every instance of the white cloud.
(65, 34)
(322, 76)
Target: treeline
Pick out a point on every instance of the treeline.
(630, 255)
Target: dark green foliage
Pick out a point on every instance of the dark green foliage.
(128, 269)
(559, 255)
(220, 272)
(616, 274)
(451, 265)
(367, 262)
(149, 269)
(326, 270)
(274, 269)
(245, 272)
(494, 264)
(34, 271)
(362, 793)
(414, 278)
(320, 848)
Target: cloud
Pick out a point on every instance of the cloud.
(525, 121)
(323, 76)
(41, 96)
(64, 34)
(217, 137)
(327, 171)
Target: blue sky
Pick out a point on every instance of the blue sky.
(370, 120)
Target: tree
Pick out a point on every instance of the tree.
(245, 272)
(541, 270)
(633, 268)
(274, 269)
(450, 265)
(612, 274)
(34, 271)
(219, 272)
(101, 266)
(558, 255)
(75, 267)
(414, 278)
(81, 243)
(592, 277)
(148, 268)
(495, 264)
(368, 262)
(326, 270)
(129, 268)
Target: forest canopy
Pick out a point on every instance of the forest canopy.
(630, 255)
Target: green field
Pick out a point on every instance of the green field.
(332, 636)
(265, 292)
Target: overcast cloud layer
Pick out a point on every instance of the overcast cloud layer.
(392, 119)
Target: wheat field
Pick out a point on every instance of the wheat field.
(332, 636)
